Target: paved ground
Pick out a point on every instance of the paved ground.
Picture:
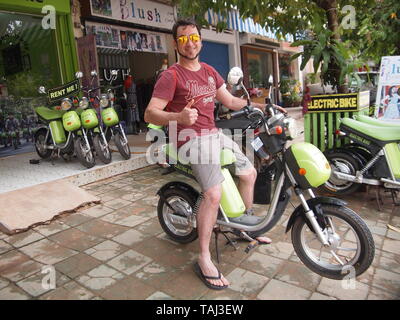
(117, 250)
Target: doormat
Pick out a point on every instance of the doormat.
(27, 207)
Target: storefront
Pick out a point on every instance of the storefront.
(37, 48)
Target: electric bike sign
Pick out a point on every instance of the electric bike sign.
(339, 102)
(66, 90)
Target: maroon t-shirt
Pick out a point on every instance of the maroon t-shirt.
(179, 85)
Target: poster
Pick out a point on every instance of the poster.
(388, 93)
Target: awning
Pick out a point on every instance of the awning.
(234, 22)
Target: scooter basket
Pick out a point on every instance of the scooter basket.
(71, 121)
(89, 119)
(110, 117)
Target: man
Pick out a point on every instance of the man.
(187, 91)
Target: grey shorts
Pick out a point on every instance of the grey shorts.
(203, 153)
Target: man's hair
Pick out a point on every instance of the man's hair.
(183, 23)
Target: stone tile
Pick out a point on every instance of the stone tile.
(75, 219)
(387, 280)
(97, 211)
(24, 238)
(12, 259)
(343, 289)
(21, 270)
(282, 250)
(4, 283)
(278, 290)
(117, 203)
(100, 278)
(393, 235)
(133, 196)
(186, 285)
(131, 237)
(47, 252)
(51, 228)
(102, 229)
(41, 282)
(226, 294)
(246, 282)
(75, 239)
(4, 247)
(158, 295)
(127, 289)
(318, 296)
(151, 227)
(129, 262)
(70, 291)
(378, 294)
(12, 292)
(106, 250)
(124, 220)
(390, 262)
(155, 274)
(77, 265)
(298, 275)
(262, 264)
(392, 246)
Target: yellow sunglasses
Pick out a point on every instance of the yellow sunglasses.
(184, 39)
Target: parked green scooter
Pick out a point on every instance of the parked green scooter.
(90, 123)
(61, 134)
(373, 157)
(328, 237)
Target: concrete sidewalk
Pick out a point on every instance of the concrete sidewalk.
(117, 250)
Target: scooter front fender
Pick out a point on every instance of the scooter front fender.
(312, 203)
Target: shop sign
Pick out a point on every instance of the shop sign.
(126, 39)
(64, 91)
(339, 102)
(143, 12)
(388, 93)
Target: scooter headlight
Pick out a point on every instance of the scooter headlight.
(103, 101)
(66, 104)
(84, 103)
(291, 128)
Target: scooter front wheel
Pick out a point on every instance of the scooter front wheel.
(102, 149)
(122, 146)
(351, 247)
(177, 218)
(84, 153)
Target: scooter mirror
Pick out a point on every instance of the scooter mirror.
(79, 74)
(271, 79)
(93, 73)
(235, 76)
(42, 89)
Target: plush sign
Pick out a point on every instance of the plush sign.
(339, 102)
(64, 91)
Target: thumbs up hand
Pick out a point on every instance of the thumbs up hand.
(188, 116)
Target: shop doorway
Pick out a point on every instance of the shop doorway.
(28, 59)
(144, 67)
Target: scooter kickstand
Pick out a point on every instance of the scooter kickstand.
(253, 242)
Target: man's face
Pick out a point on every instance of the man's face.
(188, 42)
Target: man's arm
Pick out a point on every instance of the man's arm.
(155, 113)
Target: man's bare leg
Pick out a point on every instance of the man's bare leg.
(247, 180)
(206, 218)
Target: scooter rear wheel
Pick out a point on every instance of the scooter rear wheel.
(176, 223)
(41, 143)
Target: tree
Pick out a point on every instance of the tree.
(294, 17)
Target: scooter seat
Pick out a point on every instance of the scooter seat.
(376, 122)
(385, 134)
(226, 157)
(49, 114)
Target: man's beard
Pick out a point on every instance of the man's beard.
(186, 57)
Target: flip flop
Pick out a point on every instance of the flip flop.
(204, 278)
